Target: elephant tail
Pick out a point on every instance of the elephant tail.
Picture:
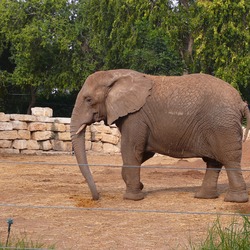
(247, 116)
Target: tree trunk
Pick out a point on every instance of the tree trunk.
(32, 99)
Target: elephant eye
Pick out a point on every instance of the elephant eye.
(88, 100)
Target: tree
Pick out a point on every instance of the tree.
(222, 41)
(133, 34)
(45, 45)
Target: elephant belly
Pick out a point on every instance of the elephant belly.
(173, 147)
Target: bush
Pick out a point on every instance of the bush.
(236, 236)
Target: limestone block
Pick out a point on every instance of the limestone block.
(116, 132)
(6, 126)
(63, 136)
(27, 118)
(19, 144)
(4, 117)
(8, 135)
(24, 134)
(56, 127)
(110, 148)
(88, 136)
(63, 120)
(61, 146)
(100, 128)
(67, 127)
(45, 145)
(42, 135)
(33, 145)
(95, 137)
(19, 125)
(37, 111)
(44, 119)
(110, 139)
(88, 145)
(88, 129)
(58, 145)
(37, 126)
(96, 146)
(68, 146)
(5, 143)
(9, 151)
(31, 152)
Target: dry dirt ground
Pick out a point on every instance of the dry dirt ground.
(48, 198)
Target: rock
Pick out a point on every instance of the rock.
(110, 139)
(5, 143)
(31, 152)
(18, 117)
(9, 151)
(58, 127)
(45, 145)
(4, 117)
(110, 148)
(37, 111)
(96, 146)
(19, 125)
(42, 135)
(63, 136)
(19, 144)
(23, 134)
(63, 120)
(8, 135)
(33, 145)
(6, 126)
(100, 128)
(37, 126)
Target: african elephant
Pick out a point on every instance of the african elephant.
(194, 115)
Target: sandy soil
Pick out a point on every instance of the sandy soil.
(48, 197)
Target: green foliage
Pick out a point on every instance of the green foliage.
(133, 34)
(236, 236)
(44, 42)
(222, 41)
(54, 45)
(23, 242)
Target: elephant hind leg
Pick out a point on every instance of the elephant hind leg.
(208, 188)
(237, 187)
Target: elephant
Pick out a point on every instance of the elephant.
(194, 115)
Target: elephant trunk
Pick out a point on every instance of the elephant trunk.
(78, 143)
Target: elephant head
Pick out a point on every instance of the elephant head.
(105, 95)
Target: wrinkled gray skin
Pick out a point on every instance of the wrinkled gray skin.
(181, 116)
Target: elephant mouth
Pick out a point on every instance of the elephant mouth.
(98, 117)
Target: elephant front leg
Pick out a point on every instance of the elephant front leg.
(237, 187)
(131, 176)
(208, 188)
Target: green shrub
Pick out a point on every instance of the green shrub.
(23, 242)
(236, 236)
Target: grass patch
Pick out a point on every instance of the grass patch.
(236, 236)
(24, 242)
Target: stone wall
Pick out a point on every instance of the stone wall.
(40, 133)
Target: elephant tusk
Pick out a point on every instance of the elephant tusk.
(81, 128)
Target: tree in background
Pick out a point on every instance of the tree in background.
(222, 41)
(50, 47)
(44, 44)
(133, 34)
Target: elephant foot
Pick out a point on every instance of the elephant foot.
(236, 196)
(141, 185)
(133, 196)
(205, 194)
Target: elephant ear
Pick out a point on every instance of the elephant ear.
(127, 95)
